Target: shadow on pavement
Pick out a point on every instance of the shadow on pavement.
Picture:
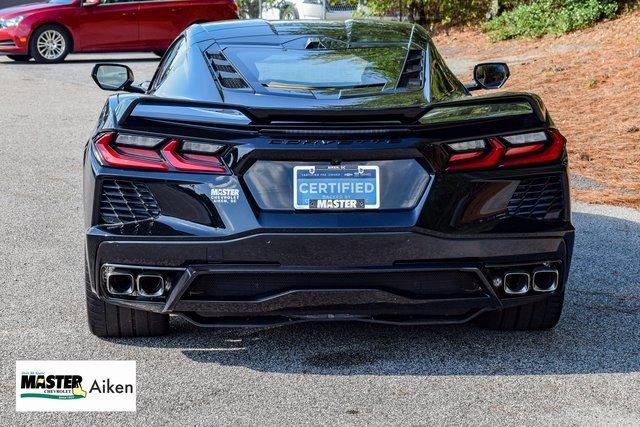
(598, 332)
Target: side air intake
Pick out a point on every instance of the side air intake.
(124, 202)
(538, 198)
(227, 75)
(412, 74)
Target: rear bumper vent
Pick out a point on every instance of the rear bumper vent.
(124, 202)
(538, 198)
(238, 286)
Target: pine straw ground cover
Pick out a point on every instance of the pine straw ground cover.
(590, 82)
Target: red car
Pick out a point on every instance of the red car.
(49, 31)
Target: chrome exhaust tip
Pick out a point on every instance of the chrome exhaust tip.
(150, 285)
(545, 279)
(119, 283)
(516, 283)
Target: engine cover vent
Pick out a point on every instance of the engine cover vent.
(227, 75)
(412, 74)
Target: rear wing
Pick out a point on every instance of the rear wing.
(482, 108)
(181, 112)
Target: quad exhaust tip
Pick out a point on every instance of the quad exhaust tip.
(545, 279)
(517, 283)
(150, 285)
(124, 282)
(120, 283)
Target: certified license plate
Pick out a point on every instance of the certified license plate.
(344, 187)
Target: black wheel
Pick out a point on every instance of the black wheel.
(50, 44)
(108, 320)
(289, 14)
(19, 58)
(159, 53)
(529, 317)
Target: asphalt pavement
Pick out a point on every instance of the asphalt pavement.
(586, 371)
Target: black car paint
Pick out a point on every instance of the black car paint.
(457, 223)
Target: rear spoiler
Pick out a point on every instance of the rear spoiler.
(464, 109)
(181, 110)
(481, 108)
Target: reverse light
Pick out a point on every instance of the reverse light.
(477, 144)
(201, 147)
(510, 151)
(526, 138)
(158, 154)
(138, 140)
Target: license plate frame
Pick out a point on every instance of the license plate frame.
(341, 177)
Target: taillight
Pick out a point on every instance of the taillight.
(536, 153)
(191, 163)
(511, 151)
(474, 160)
(159, 154)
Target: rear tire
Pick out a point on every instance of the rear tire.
(19, 58)
(108, 320)
(529, 317)
(50, 44)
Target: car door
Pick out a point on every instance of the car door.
(111, 25)
(161, 21)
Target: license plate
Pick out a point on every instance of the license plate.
(344, 187)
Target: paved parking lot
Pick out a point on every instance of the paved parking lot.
(584, 372)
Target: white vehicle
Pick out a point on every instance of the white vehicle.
(286, 10)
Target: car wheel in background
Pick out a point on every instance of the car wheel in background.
(528, 317)
(19, 58)
(50, 44)
(288, 14)
(108, 320)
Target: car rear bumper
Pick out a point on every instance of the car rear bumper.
(272, 278)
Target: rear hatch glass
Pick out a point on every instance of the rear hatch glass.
(375, 67)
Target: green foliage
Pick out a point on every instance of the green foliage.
(434, 11)
(550, 16)
(519, 18)
(456, 11)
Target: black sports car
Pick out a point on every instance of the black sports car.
(280, 172)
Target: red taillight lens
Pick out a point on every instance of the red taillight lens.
(166, 156)
(478, 160)
(191, 163)
(504, 154)
(538, 153)
(141, 159)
